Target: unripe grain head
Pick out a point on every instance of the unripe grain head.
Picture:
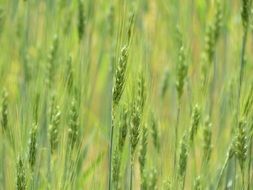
(21, 177)
(119, 81)
(4, 111)
(182, 67)
(33, 146)
(194, 122)
(73, 125)
(183, 156)
(241, 143)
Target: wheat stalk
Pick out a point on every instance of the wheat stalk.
(182, 70)
(117, 91)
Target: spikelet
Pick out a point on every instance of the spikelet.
(36, 108)
(21, 179)
(245, 13)
(182, 67)
(209, 47)
(213, 33)
(217, 21)
(194, 122)
(119, 80)
(1, 19)
(33, 146)
(144, 180)
(116, 168)
(111, 17)
(129, 28)
(155, 132)
(51, 61)
(4, 111)
(240, 144)
(81, 20)
(136, 114)
(135, 129)
(152, 179)
(167, 185)
(211, 39)
(183, 155)
(164, 83)
(141, 94)
(197, 184)
(207, 135)
(73, 125)
(143, 149)
(123, 127)
(53, 128)
(69, 74)
(142, 155)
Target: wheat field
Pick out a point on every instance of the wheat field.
(126, 94)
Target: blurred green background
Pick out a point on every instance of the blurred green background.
(27, 31)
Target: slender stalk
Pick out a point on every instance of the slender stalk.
(131, 176)
(194, 158)
(183, 182)
(111, 148)
(249, 164)
(242, 64)
(221, 172)
(244, 41)
(176, 135)
(242, 170)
